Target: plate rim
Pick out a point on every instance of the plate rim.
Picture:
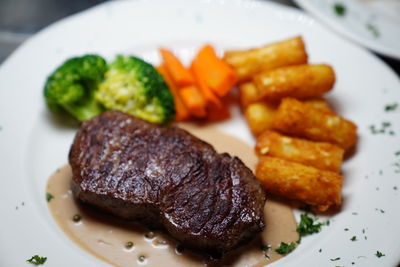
(372, 56)
(338, 28)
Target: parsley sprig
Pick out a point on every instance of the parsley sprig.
(285, 248)
(339, 9)
(37, 260)
(391, 107)
(309, 225)
(49, 197)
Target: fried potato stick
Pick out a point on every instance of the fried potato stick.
(247, 63)
(248, 94)
(318, 102)
(300, 182)
(296, 118)
(260, 116)
(321, 155)
(301, 81)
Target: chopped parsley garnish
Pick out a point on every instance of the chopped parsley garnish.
(391, 107)
(308, 225)
(285, 248)
(354, 238)
(379, 254)
(373, 30)
(49, 197)
(381, 210)
(37, 260)
(384, 128)
(265, 248)
(397, 165)
(335, 259)
(339, 9)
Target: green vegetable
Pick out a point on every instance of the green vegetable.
(373, 30)
(391, 107)
(339, 9)
(37, 260)
(379, 254)
(77, 218)
(285, 248)
(72, 86)
(133, 86)
(49, 197)
(308, 225)
(385, 128)
(129, 245)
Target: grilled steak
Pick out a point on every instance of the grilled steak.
(165, 177)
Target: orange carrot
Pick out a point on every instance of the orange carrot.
(179, 74)
(181, 112)
(193, 100)
(219, 76)
(209, 95)
(218, 113)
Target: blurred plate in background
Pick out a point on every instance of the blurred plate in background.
(374, 24)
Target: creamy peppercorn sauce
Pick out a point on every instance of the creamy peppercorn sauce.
(122, 243)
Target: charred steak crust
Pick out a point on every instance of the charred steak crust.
(167, 178)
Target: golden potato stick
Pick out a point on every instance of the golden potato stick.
(318, 102)
(248, 93)
(302, 81)
(320, 155)
(296, 118)
(259, 116)
(247, 63)
(300, 182)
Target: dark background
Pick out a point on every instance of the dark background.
(20, 19)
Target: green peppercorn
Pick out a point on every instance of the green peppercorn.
(77, 218)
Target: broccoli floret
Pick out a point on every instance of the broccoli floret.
(72, 86)
(134, 86)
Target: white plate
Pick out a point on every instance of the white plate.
(374, 24)
(32, 145)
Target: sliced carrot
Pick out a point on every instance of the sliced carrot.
(208, 94)
(193, 100)
(218, 113)
(219, 76)
(181, 112)
(179, 74)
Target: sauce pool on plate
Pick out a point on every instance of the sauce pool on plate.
(123, 243)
